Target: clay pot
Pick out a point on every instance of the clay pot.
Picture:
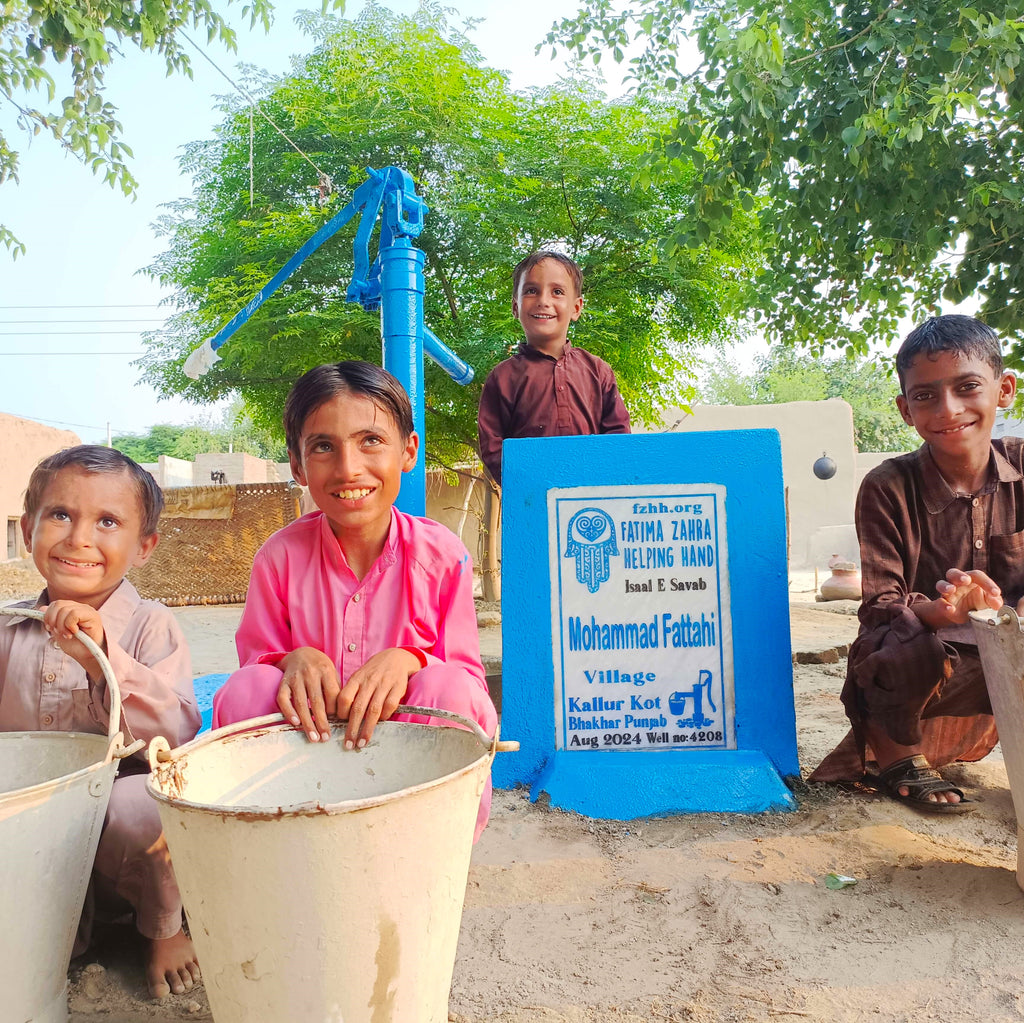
(843, 583)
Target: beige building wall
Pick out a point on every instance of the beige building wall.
(867, 460)
(170, 472)
(807, 429)
(237, 468)
(23, 444)
(460, 507)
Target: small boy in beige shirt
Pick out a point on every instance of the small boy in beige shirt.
(91, 514)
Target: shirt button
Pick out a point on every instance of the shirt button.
(978, 544)
(49, 676)
(358, 597)
(975, 502)
(47, 719)
(351, 647)
(55, 645)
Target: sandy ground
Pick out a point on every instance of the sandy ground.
(711, 917)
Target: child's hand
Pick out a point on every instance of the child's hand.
(63, 619)
(373, 692)
(309, 691)
(961, 592)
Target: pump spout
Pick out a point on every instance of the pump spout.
(437, 351)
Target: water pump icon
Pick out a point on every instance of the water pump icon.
(677, 703)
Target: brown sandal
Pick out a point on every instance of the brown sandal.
(921, 780)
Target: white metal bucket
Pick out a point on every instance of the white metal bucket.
(1001, 647)
(320, 883)
(55, 788)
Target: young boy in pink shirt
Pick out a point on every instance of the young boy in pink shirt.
(357, 607)
(91, 513)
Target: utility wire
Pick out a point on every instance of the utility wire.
(59, 422)
(44, 354)
(256, 104)
(133, 319)
(149, 305)
(64, 333)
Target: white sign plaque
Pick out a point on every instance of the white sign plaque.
(640, 618)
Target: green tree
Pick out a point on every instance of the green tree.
(84, 38)
(503, 172)
(236, 432)
(788, 375)
(885, 139)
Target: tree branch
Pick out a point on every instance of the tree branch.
(568, 210)
(446, 287)
(846, 42)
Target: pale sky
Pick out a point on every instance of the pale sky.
(71, 309)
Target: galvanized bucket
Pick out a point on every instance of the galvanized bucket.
(55, 788)
(1001, 647)
(322, 883)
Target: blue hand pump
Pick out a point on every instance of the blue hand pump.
(393, 283)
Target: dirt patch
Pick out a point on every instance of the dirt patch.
(19, 580)
(720, 918)
(710, 918)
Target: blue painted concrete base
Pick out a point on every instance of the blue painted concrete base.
(621, 786)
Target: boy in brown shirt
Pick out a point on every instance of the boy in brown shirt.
(941, 533)
(549, 388)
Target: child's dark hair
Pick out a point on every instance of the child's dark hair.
(322, 383)
(526, 265)
(951, 333)
(93, 458)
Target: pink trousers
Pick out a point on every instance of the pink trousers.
(251, 692)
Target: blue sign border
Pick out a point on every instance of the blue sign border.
(628, 784)
(655, 497)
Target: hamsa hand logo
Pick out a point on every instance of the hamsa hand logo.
(590, 539)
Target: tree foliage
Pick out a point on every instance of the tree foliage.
(785, 374)
(235, 433)
(83, 39)
(885, 136)
(502, 172)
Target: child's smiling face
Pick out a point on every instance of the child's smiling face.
(546, 303)
(86, 533)
(951, 399)
(352, 456)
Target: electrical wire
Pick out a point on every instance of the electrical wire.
(65, 333)
(148, 305)
(133, 319)
(255, 103)
(60, 422)
(44, 354)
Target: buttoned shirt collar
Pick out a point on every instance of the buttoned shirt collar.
(336, 555)
(939, 495)
(525, 348)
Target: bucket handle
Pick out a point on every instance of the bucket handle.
(160, 749)
(493, 743)
(115, 737)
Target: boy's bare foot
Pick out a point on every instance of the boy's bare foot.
(172, 965)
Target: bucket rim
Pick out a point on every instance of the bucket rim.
(308, 809)
(40, 787)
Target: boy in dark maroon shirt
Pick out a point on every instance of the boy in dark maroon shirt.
(941, 533)
(549, 388)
